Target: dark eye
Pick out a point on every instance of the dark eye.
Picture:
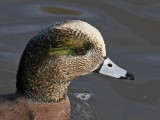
(109, 65)
(81, 50)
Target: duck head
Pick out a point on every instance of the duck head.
(57, 55)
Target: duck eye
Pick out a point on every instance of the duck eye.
(81, 50)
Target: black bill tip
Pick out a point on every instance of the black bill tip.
(129, 76)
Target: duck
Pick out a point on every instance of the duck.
(50, 61)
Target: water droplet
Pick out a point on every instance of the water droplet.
(145, 97)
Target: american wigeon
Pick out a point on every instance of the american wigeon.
(50, 61)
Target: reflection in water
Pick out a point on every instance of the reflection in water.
(61, 11)
(81, 107)
(83, 96)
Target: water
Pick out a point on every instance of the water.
(131, 32)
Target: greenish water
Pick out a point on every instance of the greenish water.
(131, 32)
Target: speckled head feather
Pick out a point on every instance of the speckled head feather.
(56, 56)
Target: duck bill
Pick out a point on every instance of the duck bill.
(111, 69)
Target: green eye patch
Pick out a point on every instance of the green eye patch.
(68, 46)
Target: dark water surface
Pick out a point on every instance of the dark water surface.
(131, 30)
